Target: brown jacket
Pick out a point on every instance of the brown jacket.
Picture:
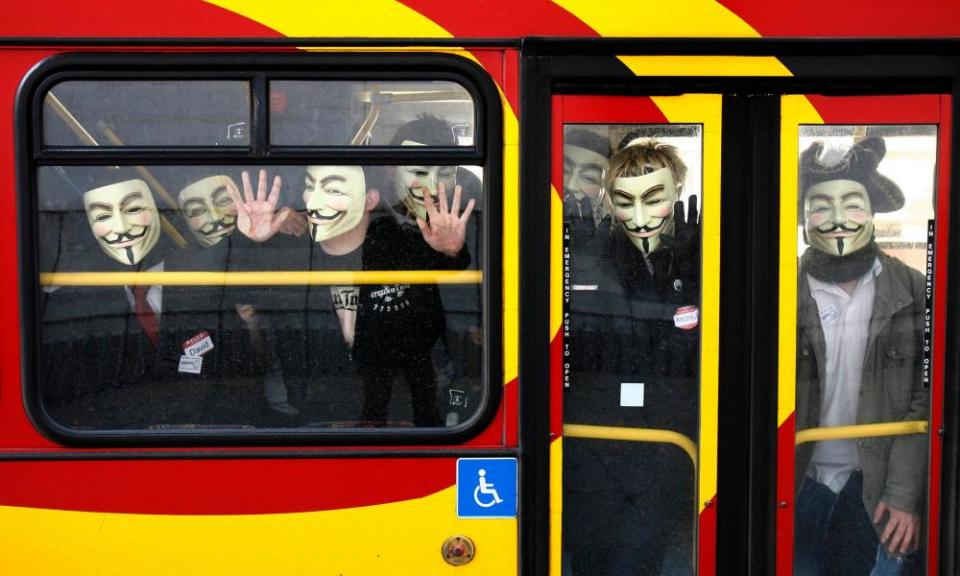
(891, 390)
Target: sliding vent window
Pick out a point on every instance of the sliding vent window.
(341, 113)
(112, 113)
(863, 397)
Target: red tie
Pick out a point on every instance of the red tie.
(145, 314)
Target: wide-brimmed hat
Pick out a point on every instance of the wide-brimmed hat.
(858, 164)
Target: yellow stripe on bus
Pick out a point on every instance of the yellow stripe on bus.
(556, 260)
(398, 538)
(290, 278)
(705, 66)
(511, 250)
(794, 111)
(862, 431)
(659, 18)
(355, 19)
(556, 506)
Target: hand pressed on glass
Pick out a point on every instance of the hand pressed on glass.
(686, 219)
(445, 230)
(257, 215)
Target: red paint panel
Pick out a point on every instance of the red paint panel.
(849, 18)
(221, 486)
(707, 551)
(15, 428)
(611, 110)
(558, 105)
(503, 66)
(511, 408)
(492, 435)
(560, 117)
(511, 80)
(913, 109)
(492, 62)
(939, 332)
(786, 456)
(120, 18)
(556, 384)
(501, 18)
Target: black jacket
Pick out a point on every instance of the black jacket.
(98, 368)
(635, 327)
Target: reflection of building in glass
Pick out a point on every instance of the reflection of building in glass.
(304, 112)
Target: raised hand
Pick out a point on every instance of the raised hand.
(686, 225)
(445, 229)
(257, 216)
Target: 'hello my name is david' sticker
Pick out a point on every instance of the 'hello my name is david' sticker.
(686, 317)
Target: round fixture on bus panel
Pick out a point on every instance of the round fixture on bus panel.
(458, 550)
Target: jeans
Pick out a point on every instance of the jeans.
(885, 565)
(834, 535)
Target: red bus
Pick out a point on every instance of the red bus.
(409, 287)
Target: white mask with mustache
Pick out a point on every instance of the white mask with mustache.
(643, 206)
(335, 197)
(838, 218)
(209, 209)
(415, 184)
(124, 219)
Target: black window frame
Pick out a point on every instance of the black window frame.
(258, 69)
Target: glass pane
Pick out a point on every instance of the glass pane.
(866, 205)
(340, 113)
(147, 113)
(320, 306)
(631, 347)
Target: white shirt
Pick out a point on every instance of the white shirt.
(845, 319)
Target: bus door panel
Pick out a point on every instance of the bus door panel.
(634, 310)
(863, 200)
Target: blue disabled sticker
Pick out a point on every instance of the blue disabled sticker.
(487, 487)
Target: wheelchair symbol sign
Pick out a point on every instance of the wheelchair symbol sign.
(487, 487)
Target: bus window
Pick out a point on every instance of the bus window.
(323, 294)
(301, 109)
(862, 401)
(315, 301)
(632, 242)
(147, 113)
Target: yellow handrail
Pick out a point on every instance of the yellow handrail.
(862, 431)
(633, 435)
(264, 278)
(642, 435)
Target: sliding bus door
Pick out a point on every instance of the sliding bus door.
(863, 236)
(634, 323)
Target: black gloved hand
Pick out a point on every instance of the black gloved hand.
(686, 220)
